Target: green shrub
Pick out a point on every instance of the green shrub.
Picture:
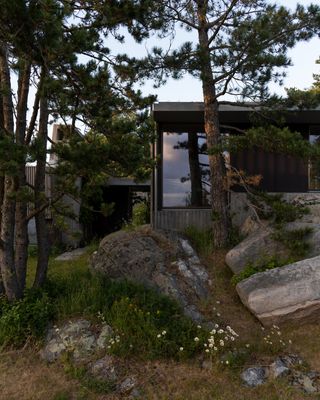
(294, 240)
(261, 266)
(25, 318)
(274, 207)
(140, 214)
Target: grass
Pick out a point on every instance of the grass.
(138, 315)
(76, 294)
(200, 239)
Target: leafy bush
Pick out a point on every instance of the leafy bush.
(25, 318)
(140, 214)
(263, 265)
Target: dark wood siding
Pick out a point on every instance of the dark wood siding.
(180, 219)
(280, 173)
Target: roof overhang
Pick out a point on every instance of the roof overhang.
(193, 113)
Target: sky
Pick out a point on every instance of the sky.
(299, 75)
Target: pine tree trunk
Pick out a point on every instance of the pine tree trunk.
(1, 202)
(21, 228)
(219, 199)
(1, 182)
(41, 224)
(10, 282)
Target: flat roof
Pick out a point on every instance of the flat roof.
(193, 112)
(196, 106)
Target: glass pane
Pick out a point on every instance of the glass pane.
(314, 166)
(185, 170)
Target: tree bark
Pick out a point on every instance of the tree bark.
(7, 265)
(40, 198)
(21, 228)
(219, 199)
(1, 203)
(1, 182)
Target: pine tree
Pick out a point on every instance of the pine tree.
(58, 48)
(239, 47)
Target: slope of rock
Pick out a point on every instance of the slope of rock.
(165, 262)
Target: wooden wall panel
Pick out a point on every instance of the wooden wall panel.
(280, 173)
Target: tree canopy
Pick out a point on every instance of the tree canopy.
(54, 60)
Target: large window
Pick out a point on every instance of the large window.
(314, 166)
(185, 170)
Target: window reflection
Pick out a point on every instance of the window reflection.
(185, 170)
(314, 166)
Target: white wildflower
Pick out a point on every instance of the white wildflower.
(181, 349)
(196, 339)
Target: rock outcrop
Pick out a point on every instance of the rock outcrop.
(285, 294)
(255, 247)
(77, 337)
(260, 245)
(288, 367)
(165, 262)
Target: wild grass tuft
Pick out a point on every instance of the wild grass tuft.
(201, 239)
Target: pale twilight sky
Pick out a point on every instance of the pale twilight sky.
(300, 75)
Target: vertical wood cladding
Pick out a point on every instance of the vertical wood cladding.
(280, 173)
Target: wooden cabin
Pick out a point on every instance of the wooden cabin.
(180, 182)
